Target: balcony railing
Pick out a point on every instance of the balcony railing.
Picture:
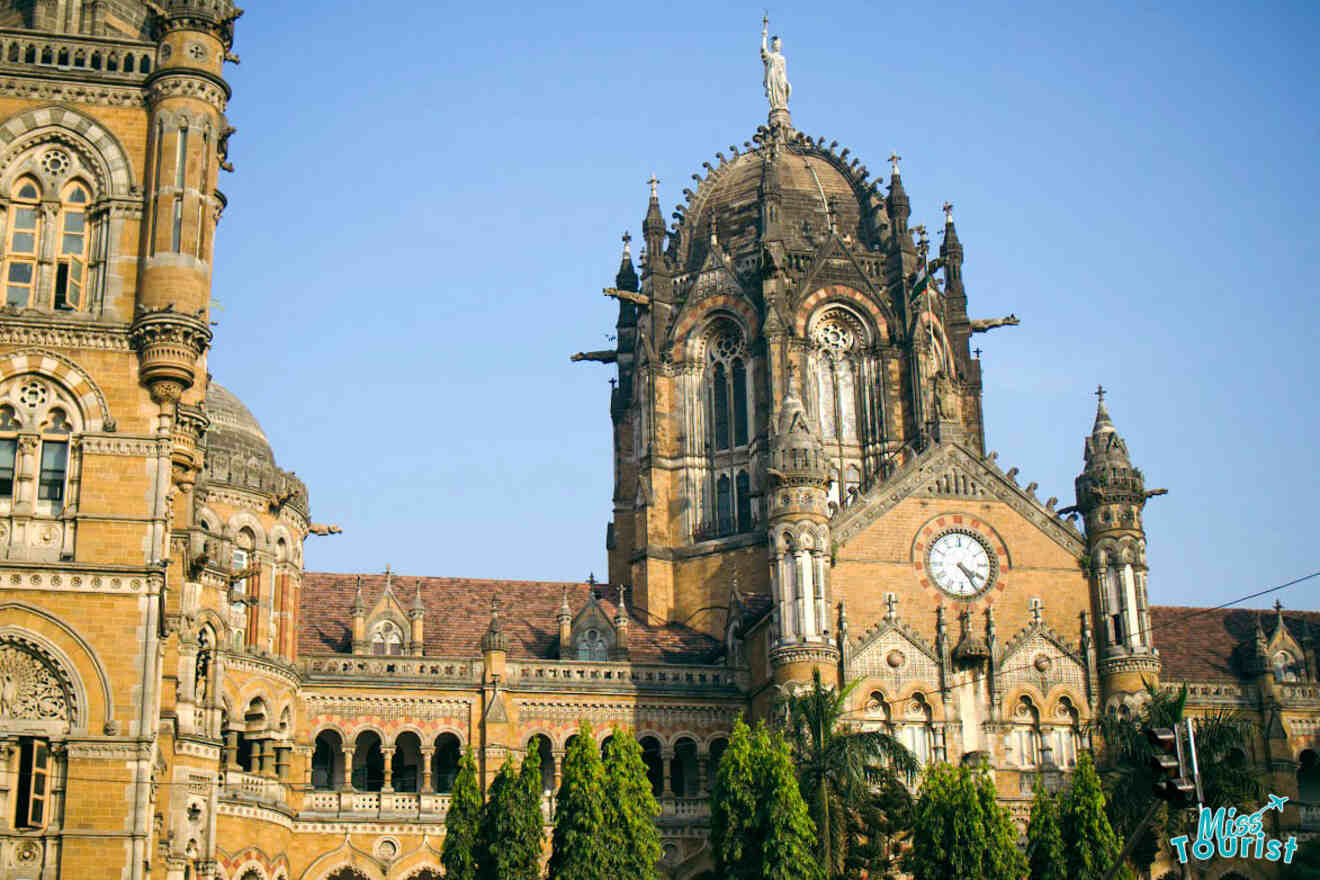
(724, 528)
(96, 57)
(253, 787)
(377, 803)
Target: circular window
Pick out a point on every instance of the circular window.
(33, 395)
(56, 162)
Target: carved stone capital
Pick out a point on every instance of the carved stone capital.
(168, 345)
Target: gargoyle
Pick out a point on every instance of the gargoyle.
(640, 299)
(981, 325)
(604, 357)
(323, 529)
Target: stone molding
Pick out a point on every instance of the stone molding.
(56, 334)
(261, 665)
(804, 653)
(74, 582)
(58, 92)
(394, 708)
(194, 84)
(110, 750)
(138, 446)
(1132, 663)
(601, 713)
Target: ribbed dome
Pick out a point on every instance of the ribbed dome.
(233, 427)
(810, 180)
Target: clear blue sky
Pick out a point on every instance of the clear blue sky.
(428, 201)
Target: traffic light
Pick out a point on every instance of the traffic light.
(1172, 781)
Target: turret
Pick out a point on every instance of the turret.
(621, 628)
(1111, 495)
(187, 143)
(416, 616)
(899, 206)
(495, 644)
(653, 228)
(800, 540)
(565, 620)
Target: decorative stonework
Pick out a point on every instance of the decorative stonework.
(605, 713)
(71, 93)
(63, 335)
(74, 582)
(388, 708)
(31, 687)
(139, 446)
(169, 344)
(187, 85)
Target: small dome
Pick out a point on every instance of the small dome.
(233, 427)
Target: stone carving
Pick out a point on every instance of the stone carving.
(29, 689)
(777, 89)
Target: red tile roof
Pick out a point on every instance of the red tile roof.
(458, 613)
(1199, 644)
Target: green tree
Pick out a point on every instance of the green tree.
(1227, 780)
(458, 853)
(960, 831)
(838, 765)
(1090, 845)
(1045, 855)
(578, 846)
(735, 837)
(503, 850)
(530, 841)
(788, 851)
(631, 838)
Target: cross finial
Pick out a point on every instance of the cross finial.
(894, 159)
(1100, 392)
(948, 213)
(891, 603)
(626, 238)
(591, 579)
(977, 352)
(1278, 606)
(1036, 607)
(654, 181)
(613, 383)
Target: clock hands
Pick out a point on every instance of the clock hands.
(969, 574)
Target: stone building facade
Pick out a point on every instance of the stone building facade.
(801, 483)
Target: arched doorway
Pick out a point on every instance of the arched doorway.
(444, 762)
(328, 761)
(368, 762)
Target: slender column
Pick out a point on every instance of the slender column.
(807, 624)
(348, 768)
(558, 755)
(264, 753)
(282, 762)
(388, 752)
(427, 753)
(703, 773)
(822, 601)
(666, 763)
(1134, 633)
(231, 749)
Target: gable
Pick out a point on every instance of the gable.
(949, 471)
(892, 656)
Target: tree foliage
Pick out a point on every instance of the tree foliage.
(504, 847)
(960, 831)
(631, 838)
(1221, 742)
(838, 765)
(578, 849)
(1045, 855)
(877, 819)
(459, 851)
(760, 827)
(1090, 845)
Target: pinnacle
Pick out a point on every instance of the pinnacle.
(1102, 421)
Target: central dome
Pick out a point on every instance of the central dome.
(815, 185)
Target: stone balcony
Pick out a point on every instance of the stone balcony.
(254, 787)
(84, 57)
(359, 806)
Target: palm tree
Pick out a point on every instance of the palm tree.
(1221, 742)
(840, 767)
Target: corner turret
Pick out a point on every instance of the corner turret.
(1111, 495)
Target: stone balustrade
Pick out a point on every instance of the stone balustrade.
(252, 786)
(633, 676)
(380, 804)
(101, 58)
(374, 666)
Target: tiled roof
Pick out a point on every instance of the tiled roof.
(458, 613)
(1198, 644)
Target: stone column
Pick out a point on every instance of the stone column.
(703, 773)
(265, 750)
(427, 753)
(282, 762)
(666, 766)
(559, 767)
(388, 752)
(348, 769)
(231, 749)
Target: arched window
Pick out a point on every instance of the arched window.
(368, 763)
(1068, 735)
(328, 761)
(444, 762)
(655, 765)
(1026, 733)
(386, 638)
(917, 732)
(842, 378)
(55, 432)
(9, 428)
(726, 385)
(71, 271)
(21, 246)
(722, 429)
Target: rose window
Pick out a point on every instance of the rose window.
(56, 162)
(726, 346)
(33, 394)
(834, 336)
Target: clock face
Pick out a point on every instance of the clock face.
(961, 564)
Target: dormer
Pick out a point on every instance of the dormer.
(592, 635)
(387, 629)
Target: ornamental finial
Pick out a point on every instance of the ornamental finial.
(894, 159)
(654, 182)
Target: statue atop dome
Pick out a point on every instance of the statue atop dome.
(777, 88)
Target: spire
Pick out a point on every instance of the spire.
(653, 227)
(626, 279)
(565, 612)
(795, 451)
(951, 252)
(900, 208)
(1104, 448)
(359, 603)
(417, 607)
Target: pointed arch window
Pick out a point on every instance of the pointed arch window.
(726, 492)
(54, 456)
(592, 645)
(386, 638)
(71, 270)
(21, 246)
(726, 384)
(9, 427)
